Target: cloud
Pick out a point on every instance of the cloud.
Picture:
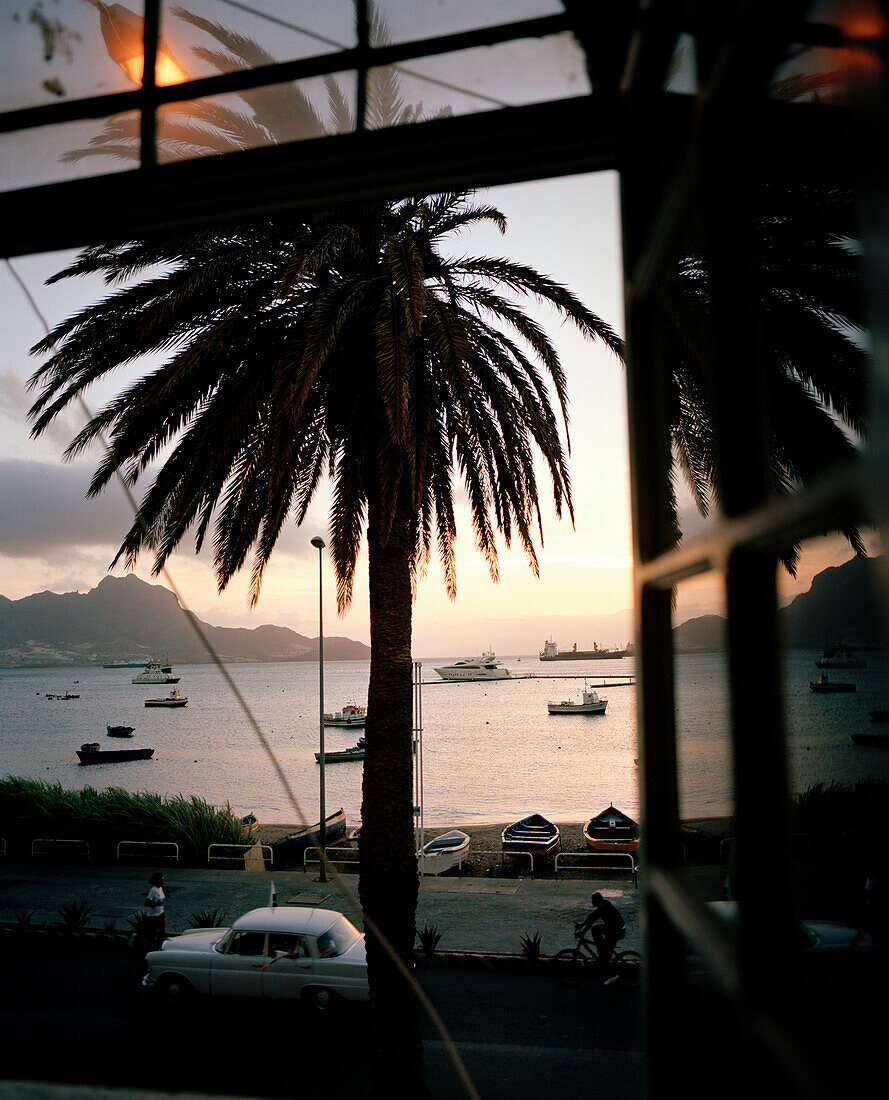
(44, 510)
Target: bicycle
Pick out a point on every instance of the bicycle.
(573, 964)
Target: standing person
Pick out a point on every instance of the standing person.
(154, 903)
(607, 927)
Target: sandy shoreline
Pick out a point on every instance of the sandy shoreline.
(484, 846)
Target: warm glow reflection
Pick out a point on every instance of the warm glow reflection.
(166, 71)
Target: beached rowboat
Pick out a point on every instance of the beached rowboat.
(442, 853)
(611, 831)
(289, 850)
(532, 834)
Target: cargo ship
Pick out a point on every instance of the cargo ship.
(551, 652)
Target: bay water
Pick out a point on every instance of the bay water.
(491, 751)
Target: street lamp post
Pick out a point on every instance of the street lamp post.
(318, 542)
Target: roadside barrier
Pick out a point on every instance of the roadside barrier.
(55, 846)
(604, 861)
(225, 853)
(148, 849)
(334, 855)
(504, 855)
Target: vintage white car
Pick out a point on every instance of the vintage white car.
(284, 951)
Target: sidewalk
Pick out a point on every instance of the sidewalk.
(472, 914)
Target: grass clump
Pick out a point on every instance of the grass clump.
(36, 808)
(531, 946)
(429, 937)
(207, 918)
(75, 916)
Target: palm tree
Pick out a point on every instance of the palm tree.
(347, 345)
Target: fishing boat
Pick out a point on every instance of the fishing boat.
(155, 673)
(119, 731)
(92, 753)
(611, 831)
(486, 667)
(341, 756)
(174, 699)
(590, 703)
(825, 686)
(840, 656)
(351, 715)
(879, 715)
(532, 834)
(67, 695)
(551, 652)
(442, 853)
(290, 849)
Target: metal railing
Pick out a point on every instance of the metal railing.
(237, 851)
(48, 846)
(347, 856)
(148, 849)
(512, 855)
(601, 861)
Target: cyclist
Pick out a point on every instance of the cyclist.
(606, 926)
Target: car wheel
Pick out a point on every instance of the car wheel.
(322, 1001)
(174, 990)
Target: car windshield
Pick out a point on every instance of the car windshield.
(337, 939)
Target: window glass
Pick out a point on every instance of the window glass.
(247, 943)
(404, 20)
(337, 939)
(282, 944)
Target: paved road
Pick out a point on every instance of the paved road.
(473, 914)
(78, 1015)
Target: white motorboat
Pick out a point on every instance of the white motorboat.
(486, 667)
(154, 673)
(442, 853)
(351, 715)
(591, 703)
(174, 699)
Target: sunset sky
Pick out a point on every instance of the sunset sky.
(51, 537)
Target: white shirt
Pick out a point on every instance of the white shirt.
(155, 902)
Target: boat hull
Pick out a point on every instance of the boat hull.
(534, 835)
(870, 739)
(444, 852)
(120, 731)
(344, 723)
(340, 757)
(113, 756)
(466, 674)
(585, 655)
(166, 702)
(829, 689)
(289, 850)
(577, 708)
(611, 831)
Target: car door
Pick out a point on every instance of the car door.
(237, 972)
(290, 965)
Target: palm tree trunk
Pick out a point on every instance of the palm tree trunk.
(388, 883)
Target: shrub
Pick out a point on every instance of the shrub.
(531, 946)
(207, 918)
(429, 937)
(75, 916)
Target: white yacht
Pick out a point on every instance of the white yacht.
(486, 667)
(154, 673)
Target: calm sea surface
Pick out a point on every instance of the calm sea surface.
(491, 751)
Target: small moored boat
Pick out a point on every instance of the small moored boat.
(290, 849)
(590, 703)
(825, 686)
(532, 834)
(871, 739)
(350, 715)
(442, 853)
(120, 731)
(340, 756)
(174, 699)
(91, 753)
(611, 831)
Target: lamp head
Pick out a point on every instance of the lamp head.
(124, 34)
(318, 542)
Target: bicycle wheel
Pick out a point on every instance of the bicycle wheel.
(628, 965)
(570, 966)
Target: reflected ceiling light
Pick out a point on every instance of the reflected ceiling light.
(124, 33)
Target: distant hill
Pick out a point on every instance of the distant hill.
(840, 606)
(125, 619)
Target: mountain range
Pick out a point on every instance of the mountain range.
(126, 619)
(841, 606)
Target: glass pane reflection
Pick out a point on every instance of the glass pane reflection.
(703, 734)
